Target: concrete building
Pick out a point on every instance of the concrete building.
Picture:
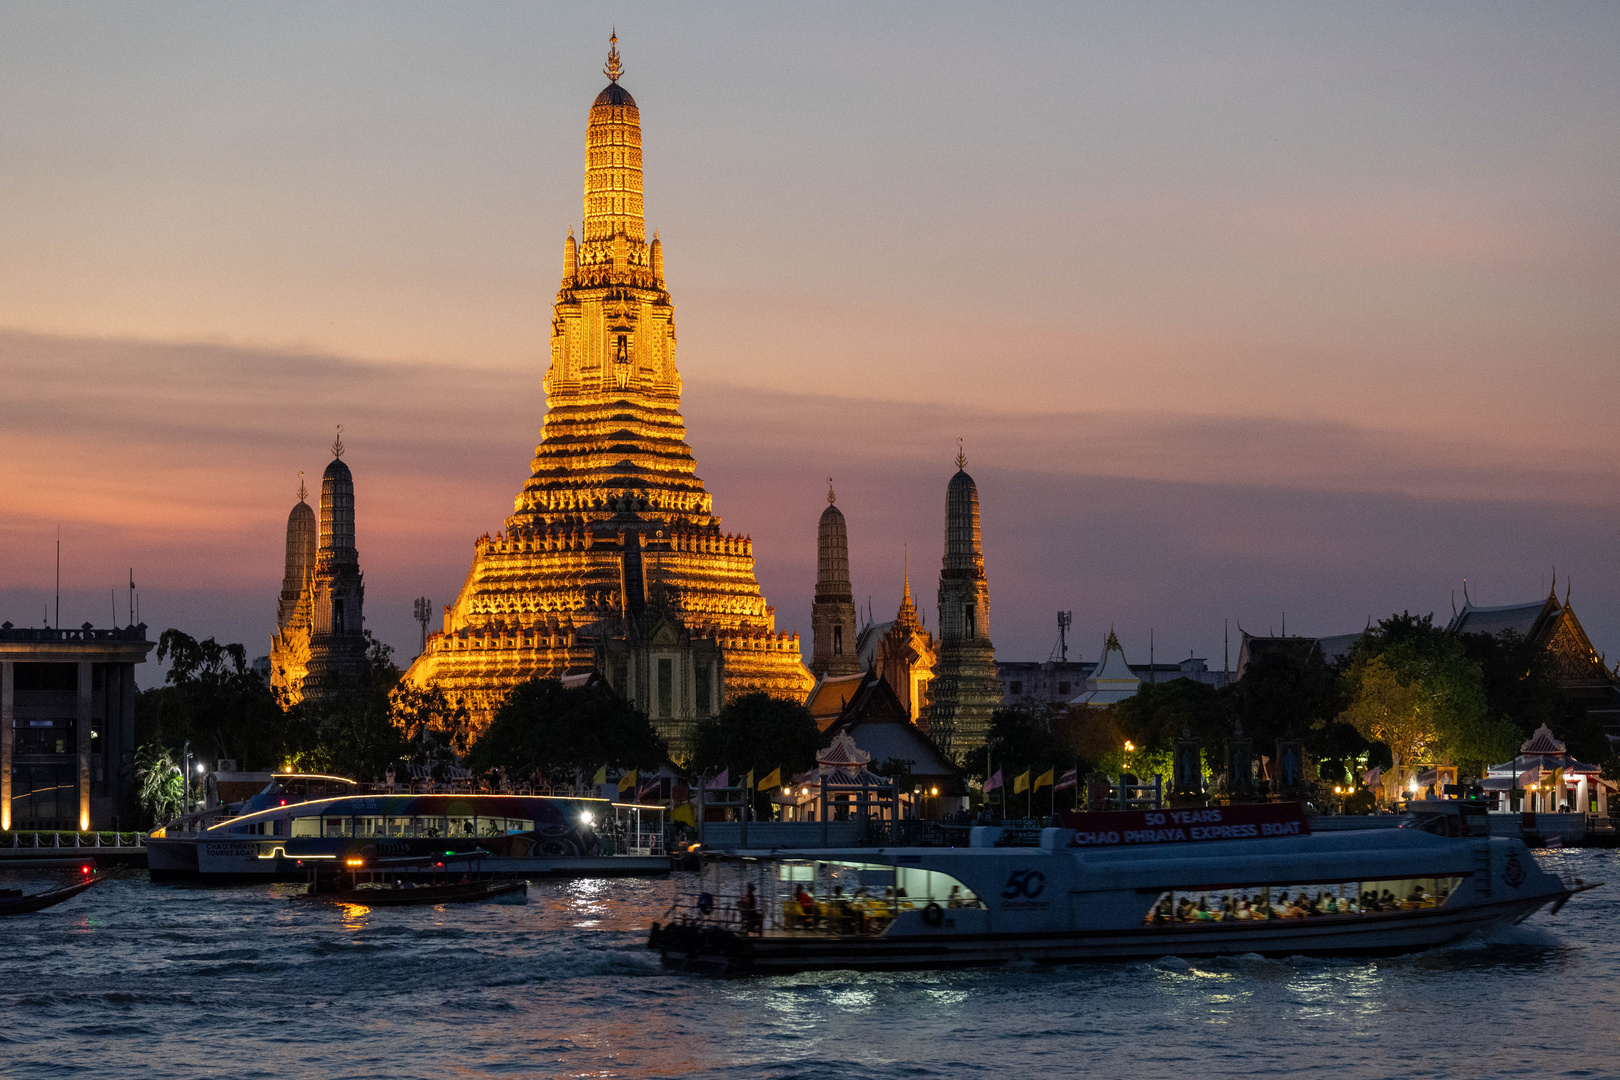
(67, 725)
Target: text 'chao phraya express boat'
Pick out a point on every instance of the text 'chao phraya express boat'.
(296, 824)
(1133, 884)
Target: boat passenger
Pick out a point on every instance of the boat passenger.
(1202, 912)
(748, 907)
(807, 907)
(1163, 912)
(955, 899)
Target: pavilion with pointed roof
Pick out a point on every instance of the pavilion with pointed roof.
(1550, 778)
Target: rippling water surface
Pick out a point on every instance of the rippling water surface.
(135, 979)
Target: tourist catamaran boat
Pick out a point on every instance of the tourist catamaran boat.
(1135, 884)
(273, 838)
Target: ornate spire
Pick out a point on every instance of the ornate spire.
(905, 561)
(337, 444)
(1112, 642)
(831, 498)
(961, 458)
(614, 69)
(303, 492)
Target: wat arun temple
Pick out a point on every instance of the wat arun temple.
(613, 537)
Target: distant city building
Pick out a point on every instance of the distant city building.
(613, 501)
(964, 687)
(319, 647)
(67, 725)
(832, 614)
(1074, 682)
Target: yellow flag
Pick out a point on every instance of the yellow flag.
(773, 780)
(1043, 780)
(627, 782)
(684, 814)
(1021, 782)
(601, 776)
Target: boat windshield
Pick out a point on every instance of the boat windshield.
(815, 896)
(1202, 907)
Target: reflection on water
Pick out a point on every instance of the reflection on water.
(134, 979)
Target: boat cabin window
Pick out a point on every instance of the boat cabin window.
(821, 897)
(1299, 900)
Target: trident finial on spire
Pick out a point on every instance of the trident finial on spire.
(303, 493)
(337, 443)
(613, 69)
(961, 458)
(831, 498)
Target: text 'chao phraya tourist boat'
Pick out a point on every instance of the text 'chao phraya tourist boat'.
(297, 824)
(1134, 884)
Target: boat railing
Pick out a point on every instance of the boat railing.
(20, 838)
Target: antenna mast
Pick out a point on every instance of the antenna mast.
(1060, 651)
(424, 612)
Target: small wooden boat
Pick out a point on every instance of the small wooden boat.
(404, 895)
(15, 902)
(378, 882)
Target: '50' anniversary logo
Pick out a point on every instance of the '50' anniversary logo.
(1024, 883)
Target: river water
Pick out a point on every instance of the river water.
(134, 979)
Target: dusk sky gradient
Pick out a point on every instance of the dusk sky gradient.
(1239, 308)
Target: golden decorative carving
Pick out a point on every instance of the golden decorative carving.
(613, 505)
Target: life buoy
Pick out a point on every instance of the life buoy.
(706, 903)
(933, 914)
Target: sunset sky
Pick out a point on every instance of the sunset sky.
(1240, 309)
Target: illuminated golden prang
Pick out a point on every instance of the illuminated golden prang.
(613, 508)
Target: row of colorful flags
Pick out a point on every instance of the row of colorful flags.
(1022, 783)
(629, 781)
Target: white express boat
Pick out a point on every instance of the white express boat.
(1134, 884)
(271, 838)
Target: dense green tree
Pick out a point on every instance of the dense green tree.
(1415, 682)
(1287, 692)
(1292, 692)
(213, 699)
(1522, 687)
(435, 731)
(1156, 715)
(758, 732)
(558, 733)
(159, 787)
(1022, 736)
